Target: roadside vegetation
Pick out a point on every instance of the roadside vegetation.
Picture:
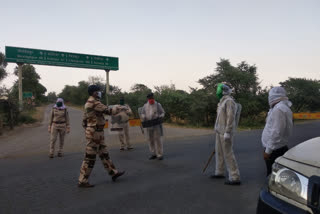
(197, 107)
(10, 115)
(194, 108)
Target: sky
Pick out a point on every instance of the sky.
(168, 41)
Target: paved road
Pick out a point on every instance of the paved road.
(35, 140)
(36, 184)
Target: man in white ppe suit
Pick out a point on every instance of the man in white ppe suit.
(225, 128)
(152, 115)
(278, 128)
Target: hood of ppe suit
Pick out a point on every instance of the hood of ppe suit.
(60, 100)
(226, 90)
(276, 95)
(222, 90)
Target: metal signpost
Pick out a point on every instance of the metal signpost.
(56, 58)
(107, 86)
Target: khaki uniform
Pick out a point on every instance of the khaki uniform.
(93, 121)
(124, 110)
(150, 112)
(226, 123)
(58, 125)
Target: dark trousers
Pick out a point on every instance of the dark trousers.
(273, 156)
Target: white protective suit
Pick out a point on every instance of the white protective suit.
(150, 112)
(279, 122)
(225, 127)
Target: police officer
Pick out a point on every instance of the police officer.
(93, 122)
(125, 112)
(59, 125)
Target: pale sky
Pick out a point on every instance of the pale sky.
(167, 41)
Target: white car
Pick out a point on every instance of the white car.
(294, 185)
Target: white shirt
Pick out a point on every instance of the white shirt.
(278, 127)
(150, 112)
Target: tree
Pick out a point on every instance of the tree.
(95, 80)
(137, 97)
(304, 93)
(174, 102)
(30, 83)
(3, 65)
(77, 95)
(140, 88)
(52, 97)
(243, 80)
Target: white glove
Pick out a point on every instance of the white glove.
(226, 136)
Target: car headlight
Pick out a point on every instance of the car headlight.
(289, 183)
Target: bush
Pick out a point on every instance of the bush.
(26, 118)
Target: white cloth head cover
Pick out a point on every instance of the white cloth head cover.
(59, 100)
(276, 95)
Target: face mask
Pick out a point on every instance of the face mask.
(99, 94)
(59, 104)
(151, 101)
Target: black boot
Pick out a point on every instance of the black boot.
(114, 177)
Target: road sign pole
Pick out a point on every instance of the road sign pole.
(107, 86)
(20, 86)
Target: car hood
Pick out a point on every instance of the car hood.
(306, 152)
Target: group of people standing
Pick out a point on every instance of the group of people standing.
(93, 122)
(275, 135)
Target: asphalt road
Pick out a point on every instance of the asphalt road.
(35, 184)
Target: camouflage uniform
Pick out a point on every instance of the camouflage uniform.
(94, 122)
(226, 123)
(58, 125)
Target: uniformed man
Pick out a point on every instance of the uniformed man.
(152, 115)
(59, 125)
(124, 112)
(93, 122)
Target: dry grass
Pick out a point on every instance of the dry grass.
(38, 113)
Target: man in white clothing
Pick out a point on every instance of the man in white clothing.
(151, 116)
(225, 127)
(278, 128)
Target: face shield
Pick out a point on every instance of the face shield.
(99, 94)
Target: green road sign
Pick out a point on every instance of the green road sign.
(27, 94)
(57, 58)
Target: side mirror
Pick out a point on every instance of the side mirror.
(314, 194)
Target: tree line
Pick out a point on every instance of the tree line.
(197, 107)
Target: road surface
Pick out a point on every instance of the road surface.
(30, 182)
